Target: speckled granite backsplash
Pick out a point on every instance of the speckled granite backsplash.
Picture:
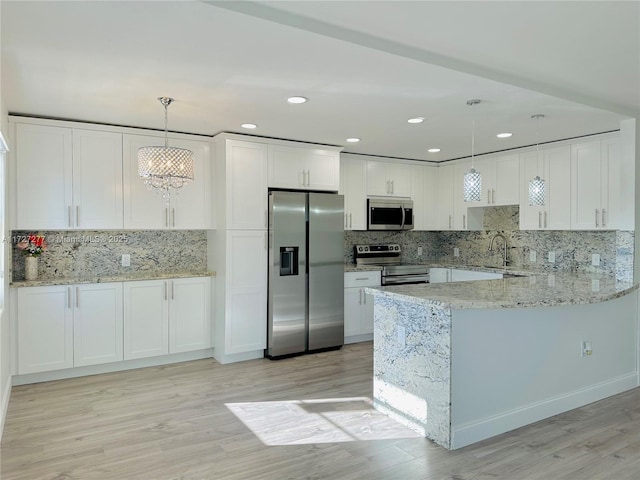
(72, 254)
(573, 249)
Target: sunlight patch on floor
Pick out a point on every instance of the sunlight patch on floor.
(330, 420)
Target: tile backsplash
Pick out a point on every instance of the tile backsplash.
(74, 254)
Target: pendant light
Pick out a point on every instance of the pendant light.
(472, 183)
(164, 168)
(537, 184)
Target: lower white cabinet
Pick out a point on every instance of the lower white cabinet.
(69, 326)
(166, 316)
(358, 306)
(443, 275)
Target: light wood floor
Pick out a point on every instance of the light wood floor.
(301, 418)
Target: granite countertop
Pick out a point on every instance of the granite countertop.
(534, 290)
(127, 277)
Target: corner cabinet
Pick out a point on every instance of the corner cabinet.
(304, 168)
(189, 208)
(67, 178)
(352, 186)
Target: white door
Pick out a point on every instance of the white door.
(97, 180)
(531, 215)
(430, 198)
(506, 189)
(285, 167)
(191, 205)
(45, 329)
(446, 176)
(323, 170)
(353, 306)
(352, 178)
(146, 319)
(377, 182)
(399, 176)
(44, 177)
(418, 173)
(246, 292)
(246, 185)
(97, 324)
(586, 200)
(460, 220)
(143, 208)
(557, 167)
(189, 315)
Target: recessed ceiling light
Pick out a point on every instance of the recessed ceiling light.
(353, 140)
(416, 120)
(504, 135)
(433, 150)
(296, 99)
(249, 125)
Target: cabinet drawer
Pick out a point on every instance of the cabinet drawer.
(362, 279)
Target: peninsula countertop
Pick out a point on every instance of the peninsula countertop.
(128, 277)
(534, 290)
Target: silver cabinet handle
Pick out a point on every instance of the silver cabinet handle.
(364, 296)
(68, 297)
(346, 221)
(173, 217)
(266, 241)
(603, 218)
(166, 287)
(392, 187)
(69, 216)
(387, 186)
(597, 213)
(266, 219)
(464, 221)
(360, 299)
(493, 196)
(166, 216)
(449, 222)
(545, 219)
(308, 178)
(539, 219)
(172, 291)
(77, 215)
(488, 195)
(351, 220)
(77, 297)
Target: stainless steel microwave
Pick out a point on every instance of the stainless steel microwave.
(389, 214)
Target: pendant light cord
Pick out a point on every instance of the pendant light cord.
(473, 138)
(166, 126)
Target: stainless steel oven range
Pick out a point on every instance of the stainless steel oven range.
(389, 257)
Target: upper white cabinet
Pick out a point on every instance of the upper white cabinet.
(67, 178)
(425, 194)
(453, 208)
(189, 208)
(500, 180)
(388, 179)
(554, 166)
(352, 186)
(304, 168)
(241, 186)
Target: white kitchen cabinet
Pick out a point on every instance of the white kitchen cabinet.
(425, 194)
(304, 168)
(500, 180)
(67, 178)
(358, 306)
(245, 312)
(453, 208)
(189, 208)
(554, 166)
(443, 275)
(352, 186)
(596, 178)
(97, 324)
(388, 179)
(166, 316)
(242, 185)
(69, 326)
(45, 329)
(439, 275)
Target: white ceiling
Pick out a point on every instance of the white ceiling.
(366, 68)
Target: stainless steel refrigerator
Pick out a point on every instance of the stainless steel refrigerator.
(306, 273)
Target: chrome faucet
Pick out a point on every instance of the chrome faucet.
(504, 241)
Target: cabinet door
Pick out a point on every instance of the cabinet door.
(617, 202)
(97, 324)
(246, 185)
(506, 186)
(146, 319)
(44, 177)
(400, 177)
(323, 170)
(557, 167)
(352, 179)
(45, 329)
(445, 196)
(418, 189)
(377, 182)
(143, 208)
(285, 167)
(97, 179)
(191, 206)
(586, 183)
(430, 198)
(246, 292)
(460, 218)
(531, 215)
(353, 305)
(189, 315)
(486, 167)
(439, 275)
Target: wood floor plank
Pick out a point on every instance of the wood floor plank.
(306, 417)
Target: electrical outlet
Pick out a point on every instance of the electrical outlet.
(552, 257)
(456, 252)
(585, 348)
(595, 259)
(419, 251)
(126, 260)
(402, 335)
(551, 280)
(595, 285)
(533, 256)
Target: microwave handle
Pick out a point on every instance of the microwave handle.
(403, 218)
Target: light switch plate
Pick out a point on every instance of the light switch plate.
(595, 259)
(456, 252)
(552, 257)
(419, 251)
(533, 256)
(126, 260)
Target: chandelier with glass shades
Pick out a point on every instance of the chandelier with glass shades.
(165, 169)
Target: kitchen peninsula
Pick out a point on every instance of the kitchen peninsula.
(464, 361)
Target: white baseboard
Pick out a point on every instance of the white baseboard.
(238, 357)
(4, 406)
(489, 427)
(367, 337)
